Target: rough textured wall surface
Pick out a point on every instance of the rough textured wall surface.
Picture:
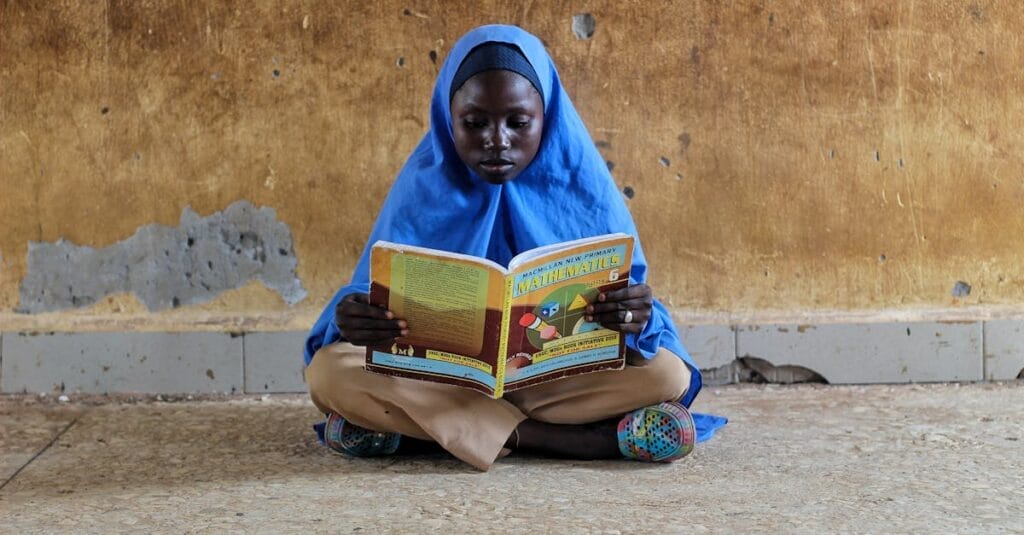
(778, 156)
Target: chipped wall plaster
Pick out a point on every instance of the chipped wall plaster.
(167, 267)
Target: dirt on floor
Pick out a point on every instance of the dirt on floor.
(810, 458)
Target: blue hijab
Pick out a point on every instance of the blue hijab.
(566, 193)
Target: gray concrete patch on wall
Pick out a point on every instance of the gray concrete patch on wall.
(713, 348)
(710, 346)
(167, 267)
(1004, 350)
(187, 362)
(273, 362)
(870, 353)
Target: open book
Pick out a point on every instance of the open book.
(479, 325)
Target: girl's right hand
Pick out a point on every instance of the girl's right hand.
(363, 324)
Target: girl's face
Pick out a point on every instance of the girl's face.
(497, 120)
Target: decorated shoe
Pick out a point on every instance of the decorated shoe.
(345, 437)
(659, 433)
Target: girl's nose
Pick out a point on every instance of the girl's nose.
(497, 139)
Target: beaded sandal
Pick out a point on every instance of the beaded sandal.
(345, 437)
(658, 433)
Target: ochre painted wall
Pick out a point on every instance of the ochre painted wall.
(789, 157)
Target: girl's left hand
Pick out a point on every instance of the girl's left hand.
(626, 310)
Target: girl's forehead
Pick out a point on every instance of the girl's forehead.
(496, 80)
(498, 90)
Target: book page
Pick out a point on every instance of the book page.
(444, 302)
(452, 304)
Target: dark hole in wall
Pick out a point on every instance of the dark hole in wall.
(583, 25)
(762, 371)
(961, 289)
(684, 140)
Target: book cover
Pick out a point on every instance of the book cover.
(548, 335)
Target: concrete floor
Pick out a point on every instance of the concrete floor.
(793, 459)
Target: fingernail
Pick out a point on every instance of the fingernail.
(600, 297)
(405, 332)
(389, 315)
(590, 318)
(402, 324)
(590, 308)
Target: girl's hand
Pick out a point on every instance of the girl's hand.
(626, 310)
(363, 324)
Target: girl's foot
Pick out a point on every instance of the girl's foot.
(345, 437)
(658, 433)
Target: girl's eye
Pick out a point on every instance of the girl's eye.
(475, 123)
(518, 123)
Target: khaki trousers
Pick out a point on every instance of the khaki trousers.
(470, 425)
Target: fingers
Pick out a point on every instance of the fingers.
(629, 292)
(612, 309)
(616, 320)
(615, 306)
(367, 324)
(374, 337)
(363, 324)
(358, 305)
(637, 298)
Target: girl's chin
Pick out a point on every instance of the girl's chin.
(497, 178)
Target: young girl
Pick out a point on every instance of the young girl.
(507, 166)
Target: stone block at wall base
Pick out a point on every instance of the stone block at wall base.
(1004, 350)
(100, 363)
(710, 346)
(870, 352)
(273, 362)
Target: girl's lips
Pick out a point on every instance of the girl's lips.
(496, 167)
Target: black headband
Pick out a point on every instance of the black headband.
(494, 56)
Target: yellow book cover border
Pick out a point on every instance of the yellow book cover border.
(506, 313)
